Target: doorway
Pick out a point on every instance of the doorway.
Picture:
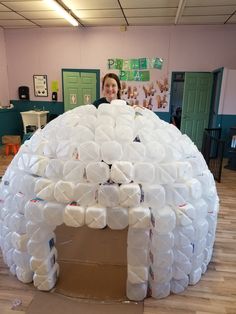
(93, 262)
(177, 90)
(215, 99)
(80, 87)
(197, 96)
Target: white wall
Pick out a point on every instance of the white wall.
(4, 91)
(228, 93)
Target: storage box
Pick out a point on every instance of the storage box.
(11, 139)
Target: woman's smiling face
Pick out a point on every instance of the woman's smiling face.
(110, 89)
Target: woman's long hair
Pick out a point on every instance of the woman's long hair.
(116, 78)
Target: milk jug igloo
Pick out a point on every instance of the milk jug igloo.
(118, 166)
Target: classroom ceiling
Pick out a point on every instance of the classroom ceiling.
(92, 13)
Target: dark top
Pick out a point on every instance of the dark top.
(100, 101)
(103, 100)
(176, 119)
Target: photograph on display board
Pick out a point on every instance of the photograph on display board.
(153, 95)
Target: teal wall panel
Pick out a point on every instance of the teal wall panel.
(164, 116)
(54, 107)
(11, 121)
(225, 122)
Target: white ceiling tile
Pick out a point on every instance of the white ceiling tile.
(209, 10)
(27, 5)
(232, 19)
(20, 26)
(52, 22)
(149, 3)
(16, 23)
(10, 16)
(109, 13)
(218, 19)
(104, 22)
(150, 12)
(135, 21)
(40, 15)
(3, 8)
(7, 1)
(92, 4)
(98, 13)
(200, 3)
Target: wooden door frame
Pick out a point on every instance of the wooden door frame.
(172, 92)
(215, 94)
(96, 71)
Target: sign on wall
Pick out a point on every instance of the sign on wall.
(73, 99)
(40, 85)
(135, 64)
(141, 83)
(135, 69)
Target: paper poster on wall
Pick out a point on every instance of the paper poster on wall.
(134, 75)
(54, 86)
(153, 95)
(135, 64)
(143, 82)
(40, 85)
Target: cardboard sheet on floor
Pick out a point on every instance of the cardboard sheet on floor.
(46, 302)
(93, 263)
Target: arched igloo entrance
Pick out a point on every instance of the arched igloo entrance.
(93, 262)
(115, 166)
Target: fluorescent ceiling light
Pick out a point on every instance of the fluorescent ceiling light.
(56, 6)
(180, 10)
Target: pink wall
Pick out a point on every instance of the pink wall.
(4, 92)
(47, 51)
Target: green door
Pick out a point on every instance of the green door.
(80, 87)
(196, 105)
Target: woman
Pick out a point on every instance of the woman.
(111, 89)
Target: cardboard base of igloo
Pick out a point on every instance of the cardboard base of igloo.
(45, 302)
(93, 263)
